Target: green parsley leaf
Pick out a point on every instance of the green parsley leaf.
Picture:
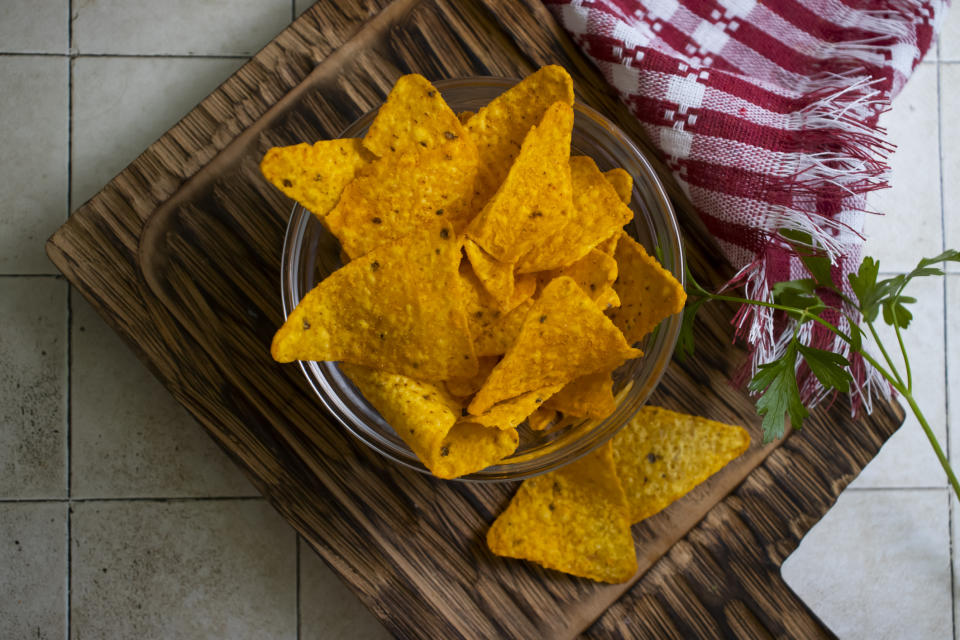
(895, 314)
(864, 285)
(780, 396)
(816, 262)
(830, 368)
(685, 341)
(799, 294)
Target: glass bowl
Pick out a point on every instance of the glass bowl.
(310, 253)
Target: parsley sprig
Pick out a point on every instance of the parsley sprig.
(817, 299)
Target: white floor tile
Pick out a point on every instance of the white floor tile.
(34, 26)
(221, 569)
(177, 27)
(33, 385)
(950, 148)
(950, 36)
(33, 578)
(33, 158)
(910, 227)
(328, 610)
(907, 459)
(122, 105)
(953, 368)
(129, 437)
(877, 566)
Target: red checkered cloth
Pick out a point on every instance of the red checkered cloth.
(766, 113)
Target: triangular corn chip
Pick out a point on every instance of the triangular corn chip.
(465, 387)
(565, 335)
(414, 116)
(609, 245)
(597, 213)
(534, 200)
(648, 292)
(573, 520)
(608, 299)
(510, 413)
(622, 183)
(315, 175)
(541, 418)
(500, 127)
(398, 308)
(496, 277)
(662, 455)
(402, 192)
(424, 416)
(493, 330)
(589, 396)
(464, 117)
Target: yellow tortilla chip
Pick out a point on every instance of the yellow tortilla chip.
(542, 418)
(593, 272)
(403, 192)
(534, 200)
(565, 335)
(648, 292)
(496, 276)
(464, 116)
(493, 330)
(415, 115)
(315, 175)
(463, 387)
(500, 127)
(609, 245)
(424, 416)
(589, 396)
(510, 413)
(608, 299)
(395, 308)
(597, 213)
(622, 183)
(573, 520)
(662, 455)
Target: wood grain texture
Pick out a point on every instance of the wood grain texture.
(181, 254)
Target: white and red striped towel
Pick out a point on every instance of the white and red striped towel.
(766, 112)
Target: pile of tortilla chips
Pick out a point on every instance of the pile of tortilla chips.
(489, 282)
(577, 519)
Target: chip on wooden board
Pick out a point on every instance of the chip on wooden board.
(573, 520)
(597, 213)
(662, 455)
(589, 396)
(534, 201)
(563, 336)
(315, 175)
(396, 308)
(648, 292)
(425, 417)
(415, 115)
(403, 192)
(500, 127)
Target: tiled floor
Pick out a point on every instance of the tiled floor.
(120, 518)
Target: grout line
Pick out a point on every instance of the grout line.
(69, 324)
(69, 594)
(293, 16)
(298, 585)
(72, 55)
(94, 500)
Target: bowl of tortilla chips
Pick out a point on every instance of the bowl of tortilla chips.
(500, 274)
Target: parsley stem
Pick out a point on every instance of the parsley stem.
(780, 307)
(903, 354)
(933, 440)
(886, 356)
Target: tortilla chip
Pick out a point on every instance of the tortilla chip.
(608, 299)
(464, 117)
(597, 213)
(315, 175)
(464, 387)
(500, 127)
(415, 115)
(534, 200)
(565, 335)
(589, 396)
(542, 418)
(395, 308)
(496, 276)
(424, 416)
(648, 292)
(403, 192)
(510, 413)
(594, 272)
(622, 183)
(609, 245)
(573, 520)
(493, 330)
(662, 455)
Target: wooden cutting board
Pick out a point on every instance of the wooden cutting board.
(180, 253)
